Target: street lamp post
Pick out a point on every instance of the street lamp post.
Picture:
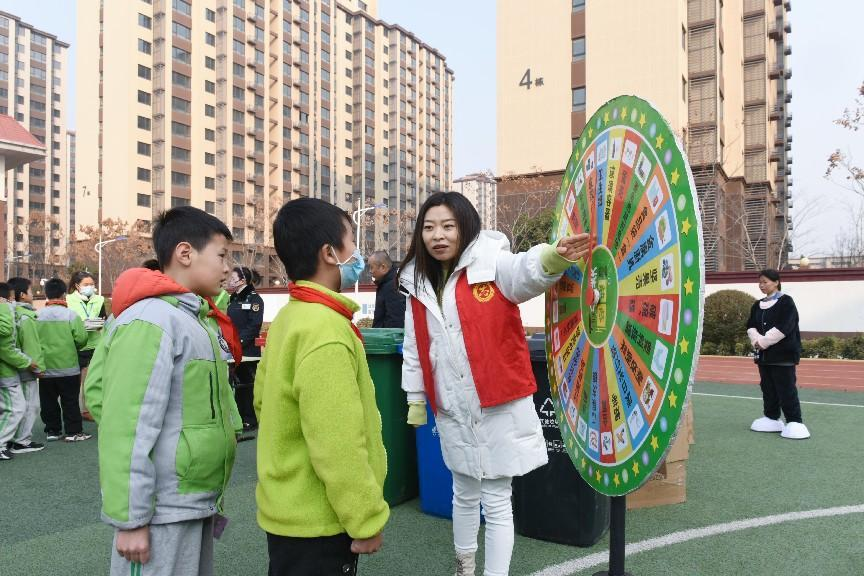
(355, 216)
(98, 248)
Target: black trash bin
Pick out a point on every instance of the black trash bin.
(554, 503)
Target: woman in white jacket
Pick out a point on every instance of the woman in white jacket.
(465, 351)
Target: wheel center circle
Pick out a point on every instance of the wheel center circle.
(600, 296)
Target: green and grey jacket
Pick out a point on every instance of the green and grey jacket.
(12, 359)
(158, 388)
(28, 339)
(62, 335)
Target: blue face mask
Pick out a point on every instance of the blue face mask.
(350, 270)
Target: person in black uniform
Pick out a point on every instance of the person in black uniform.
(773, 331)
(246, 310)
(389, 302)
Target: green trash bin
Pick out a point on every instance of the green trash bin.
(384, 355)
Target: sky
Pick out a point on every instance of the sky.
(826, 63)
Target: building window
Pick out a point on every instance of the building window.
(209, 63)
(143, 199)
(144, 21)
(143, 174)
(578, 48)
(143, 72)
(209, 159)
(143, 123)
(144, 97)
(179, 129)
(578, 99)
(143, 149)
(181, 31)
(209, 183)
(209, 135)
(209, 207)
(578, 5)
(179, 179)
(181, 105)
(209, 110)
(210, 15)
(180, 154)
(183, 7)
(181, 55)
(209, 87)
(144, 46)
(176, 201)
(181, 80)
(209, 39)
(239, 47)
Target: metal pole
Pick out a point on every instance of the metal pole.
(99, 250)
(357, 243)
(617, 522)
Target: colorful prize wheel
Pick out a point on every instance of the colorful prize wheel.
(623, 328)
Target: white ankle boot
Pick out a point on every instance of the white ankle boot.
(465, 564)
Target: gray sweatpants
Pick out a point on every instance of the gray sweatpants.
(12, 407)
(180, 548)
(24, 434)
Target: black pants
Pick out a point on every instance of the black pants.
(779, 391)
(324, 556)
(244, 379)
(66, 389)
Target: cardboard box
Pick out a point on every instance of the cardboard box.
(668, 485)
(680, 449)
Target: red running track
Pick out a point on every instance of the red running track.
(842, 375)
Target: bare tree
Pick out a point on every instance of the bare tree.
(851, 175)
(116, 256)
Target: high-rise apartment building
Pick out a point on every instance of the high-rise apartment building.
(33, 91)
(480, 189)
(716, 69)
(236, 106)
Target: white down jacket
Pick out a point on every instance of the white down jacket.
(495, 442)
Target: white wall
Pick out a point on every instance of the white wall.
(826, 306)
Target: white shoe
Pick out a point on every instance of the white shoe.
(465, 564)
(795, 431)
(765, 424)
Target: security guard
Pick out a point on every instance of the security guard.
(246, 310)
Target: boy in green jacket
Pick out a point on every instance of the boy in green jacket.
(28, 342)
(12, 403)
(158, 388)
(61, 335)
(321, 459)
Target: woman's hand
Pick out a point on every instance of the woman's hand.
(574, 247)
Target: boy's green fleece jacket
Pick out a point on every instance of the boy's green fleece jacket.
(28, 339)
(321, 459)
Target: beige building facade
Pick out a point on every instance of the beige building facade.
(480, 189)
(716, 69)
(33, 84)
(237, 106)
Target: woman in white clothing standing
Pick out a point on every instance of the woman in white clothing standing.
(465, 352)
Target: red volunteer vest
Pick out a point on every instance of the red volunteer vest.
(494, 339)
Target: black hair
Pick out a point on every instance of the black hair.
(55, 288)
(773, 275)
(77, 277)
(185, 224)
(467, 223)
(251, 277)
(5, 290)
(301, 228)
(19, 286)
(151, 264)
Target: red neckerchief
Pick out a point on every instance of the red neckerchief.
(313, 296)
(229, 331)
(56, 303)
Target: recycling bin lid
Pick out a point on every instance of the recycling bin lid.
(383, 340)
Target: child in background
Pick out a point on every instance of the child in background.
(321, 459)
(465, 347)
(158, 388)
(28, 342)
(12, 403)
(61, 335)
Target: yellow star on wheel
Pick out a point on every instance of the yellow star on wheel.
(685, 226)
(616, 480)
(584, 141)
(673, 400)
(658, 142)
(642, 120)
(675, 175)
(624, 113)
(635, 468)
(582, 463)
(685, 345)
(590, 132)
(688, 286)
(654, 443)
(606, 118)
(597, 475)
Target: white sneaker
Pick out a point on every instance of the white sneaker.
(465, 565)
(765, 424)
(795, 431)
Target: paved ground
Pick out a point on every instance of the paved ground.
(842, 375)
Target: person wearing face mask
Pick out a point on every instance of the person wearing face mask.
(90, 307)
(246, 310)
(321, 458)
